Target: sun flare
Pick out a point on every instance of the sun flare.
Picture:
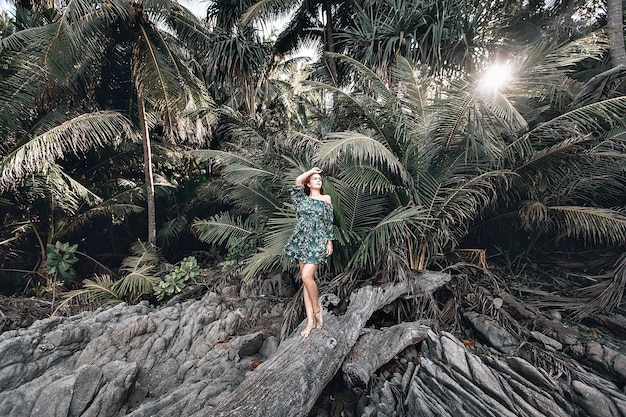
(496, 77)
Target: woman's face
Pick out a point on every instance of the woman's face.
(315, 181)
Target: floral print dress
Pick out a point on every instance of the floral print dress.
(314, 228)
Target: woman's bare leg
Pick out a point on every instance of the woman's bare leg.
(311, 302)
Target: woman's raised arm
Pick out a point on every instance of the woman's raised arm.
(302, 177)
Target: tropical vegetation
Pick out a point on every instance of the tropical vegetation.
(146, 136)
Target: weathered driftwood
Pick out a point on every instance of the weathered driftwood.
(604, 359)
(551, 328)
(377, 347)
(615, 322)
(289, 383)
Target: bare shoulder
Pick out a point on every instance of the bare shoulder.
(326, 198)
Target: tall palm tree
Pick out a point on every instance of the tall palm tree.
(615, 30)
(414, 173)
(310, 19)
(88, 43)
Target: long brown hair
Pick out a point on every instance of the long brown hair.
(307, 190)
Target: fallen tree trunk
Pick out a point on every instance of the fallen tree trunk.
(289, 383)
(377, 347)
(607, 361)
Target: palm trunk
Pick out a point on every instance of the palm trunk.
(330, 43)
(247, 92)
(147, 166)
(615, 29)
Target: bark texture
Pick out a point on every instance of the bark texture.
(377, 347)
(615, 29)
(291, 381)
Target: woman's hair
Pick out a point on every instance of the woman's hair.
(307, 190)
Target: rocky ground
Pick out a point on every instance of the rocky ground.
(188, 357)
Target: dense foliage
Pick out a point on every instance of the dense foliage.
(429, 161)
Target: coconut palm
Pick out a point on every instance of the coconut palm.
(615, 30)
(232, 57)
(125, 44)
(416, 173)
(253, 186)
(317, 20)
(6, 24)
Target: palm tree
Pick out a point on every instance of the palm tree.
(416, 173)
(615, 30)
(6, 24)
(231, 55)
(88, 43)
(310, 19)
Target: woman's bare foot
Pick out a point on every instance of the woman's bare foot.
(305, 332)
(318, 319)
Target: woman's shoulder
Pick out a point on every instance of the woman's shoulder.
(326, 198)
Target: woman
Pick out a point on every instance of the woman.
(312, 239)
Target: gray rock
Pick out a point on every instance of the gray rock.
(269, 347)
(249, 344)
(187, 358)
(55, 399)
(88, 381)
(129, 360)
(547, 341)
(493, 333)
(590, 398)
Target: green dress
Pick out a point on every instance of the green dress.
(314, 228)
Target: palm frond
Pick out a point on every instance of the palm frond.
(362, 107)
(554, 160)
(378, 87)
(130, 197)
(101, 290)
(243, 174)
(599, 87)
(77, 188)
(595, 226)
(253, 198)
(593, 117)
(505, 111)
(545, 68)
(358, 211)
(279, 230)
(221, 158)
(412, 87)
(607, 293)
(98, 291)
(394, 230)
(266, 9)
(171, 230)
(188, 27)
(20, 83)
(362, 149)
(118, 211)
(77, 33)
(222, 229)
(366, 178)
(168, 86)
(74, 136)
(24, 38)
(140, 281)
(152, 68)
(142, 254)
(596, 117)
(266, 259)
(447, 119)
(141, 272)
